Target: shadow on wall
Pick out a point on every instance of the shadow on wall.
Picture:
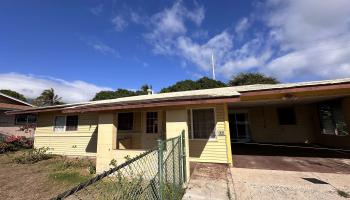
(196, 147)
(92, 145)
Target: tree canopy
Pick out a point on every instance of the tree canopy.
(48, 98)
(14, 94)
(102, 95)
(202, 83)
(251, 78)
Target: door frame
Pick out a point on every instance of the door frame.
(246, 123)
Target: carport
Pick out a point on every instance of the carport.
(298, 129)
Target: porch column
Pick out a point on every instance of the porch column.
(228, 136)
(106, 140)
(176, 122)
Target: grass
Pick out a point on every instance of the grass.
(69, 177)
(41, 180)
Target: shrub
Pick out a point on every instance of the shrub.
(33, 156)
(92, 168)
(14, 143)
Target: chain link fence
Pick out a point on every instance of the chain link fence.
(156, 174)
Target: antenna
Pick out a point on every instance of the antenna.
(213, 64)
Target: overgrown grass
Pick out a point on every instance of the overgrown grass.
(69, 177)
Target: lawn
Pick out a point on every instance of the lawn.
(41, 180)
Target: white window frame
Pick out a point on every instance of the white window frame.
(65, 124)
(215, 122)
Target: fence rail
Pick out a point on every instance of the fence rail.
(156, 174)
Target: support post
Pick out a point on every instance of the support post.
(160, 168)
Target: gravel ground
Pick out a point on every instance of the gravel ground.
(275, 184)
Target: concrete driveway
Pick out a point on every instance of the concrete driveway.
(276, 184)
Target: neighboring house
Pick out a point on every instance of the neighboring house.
(21, 125)
(308, 112)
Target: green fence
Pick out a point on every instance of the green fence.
(156, 174)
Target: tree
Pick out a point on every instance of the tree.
(102, 95)
(48, 98)
(251, 78)
(202, 83)
(14, 94)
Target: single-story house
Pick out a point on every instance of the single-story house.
(19, 125)
(306, 112)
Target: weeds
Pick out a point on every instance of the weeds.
(33, 156)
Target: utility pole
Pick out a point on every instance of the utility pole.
(213, 64)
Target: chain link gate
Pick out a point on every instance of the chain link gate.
(158, 174)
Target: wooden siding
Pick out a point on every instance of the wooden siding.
(211, 150)
(73, 143)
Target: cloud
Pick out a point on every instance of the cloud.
(97, 10)
(119, 23)
(31, 86)
(242, 25)
(312, 38)
(170, 23)
(100, 46)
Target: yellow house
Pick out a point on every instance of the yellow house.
(308, 112)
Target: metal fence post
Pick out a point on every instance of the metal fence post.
(180, 159)
(160, 168)
(173, 153)
(184, 156)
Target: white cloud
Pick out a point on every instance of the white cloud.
(97, 10)
(31, 86)
(313, 38)
(169, 24)
(101, 47)
(119, 23)
(300, 39)
(242, 25)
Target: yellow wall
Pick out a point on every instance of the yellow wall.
(265, 127)
(82, 142)
(214, 149)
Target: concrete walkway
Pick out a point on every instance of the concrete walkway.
(275, 184)
(209, 182)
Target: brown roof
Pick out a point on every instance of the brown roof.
(8, 106)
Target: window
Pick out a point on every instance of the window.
(72, 123)
(25, 119)
(203, 123)
(286, 116)
(152, 122)
(66, 123)
(332, 119)
(125, 121)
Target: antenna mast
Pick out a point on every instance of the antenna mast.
(213, 64)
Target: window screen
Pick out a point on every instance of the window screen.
(60, 122)
(286, 116)
(152, 122)
(332, 119)
(125, 121)
(72, 123)
(203, 123)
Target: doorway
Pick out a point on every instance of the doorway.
(239, 126)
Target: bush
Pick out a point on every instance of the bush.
(14, 143)
(33, 156)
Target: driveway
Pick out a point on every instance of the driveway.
(290, 158)
(251, 184)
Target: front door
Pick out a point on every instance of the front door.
(239, 126)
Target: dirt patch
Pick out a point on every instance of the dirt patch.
(30, 181)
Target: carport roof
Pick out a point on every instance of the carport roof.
(185, 96)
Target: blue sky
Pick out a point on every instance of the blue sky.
(82, 47)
